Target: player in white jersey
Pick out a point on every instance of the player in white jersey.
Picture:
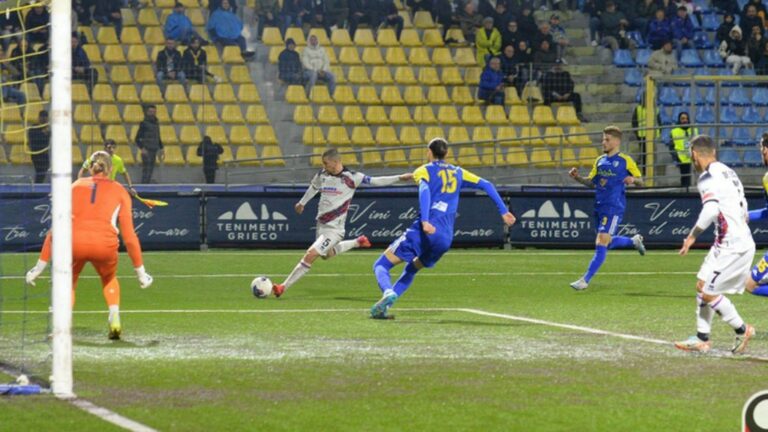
(337, 186)
(727, 265)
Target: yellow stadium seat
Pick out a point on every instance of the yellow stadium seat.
(126, 94)
(195, 15)
(133, 113)
(348, 156)
(358, 75)
(297, 34)
(410, 136)
(31, 91)
(224, 93)
(414, 95)
(458, 134)
(386, 38)
(272, 156)
(114, 54)
(456, 34)
(511, 97)
(419, 57)
(19, 155)
(364, 38)
(108, 36)
(372, 158)
(137, 54)
(340, 38)
(587, 156)
(344, 95)
(464, 57)
(240, 136)
(167, 135)
(77, 155)
(117, 133)
(381, 75)
(451, 76)
(91, 135)
(553, 135)
(232, 114)
(395, 56)
(256, 114)
(403, 75)
(542, 158)
(376, 115)
(247, 156)
(103, 93)
(206, 113)
(424, 115)
(471, 115)
(174, 93)
(162, 114)
(148, 17)
(349, 56)
(530, 136)
(213, 55)
(92, 50)
(217, 134)
(462, 95)
(83, 114)
(155, 52)
(154, 36)
(352, 115)
(386, 136)
(143, 74)
(433, 38)
(11, 113)
(517, 157)
(433, 132)
(400, 115)
(577, 135)
(182, 113)
(542, 116)
(472, 75)
(468, 156)
(362, 136)
(227, 155)
(303, 115)
(423, 20)
(322, 36)
(495, 115)
(367, 95)
(410, 38)
(442, 57)
(518, 115)
(482, 135)
(272, 37)
(125, 154)
(532, 93)
(128, 18)
(507, 136)
(565, 157)
(108, 113)
(120, 74)
(328, 115)
(428, 76)
(313, 136)
(232, 55)
(192, 157)
(337, 136)
(16, 134)
(316, 159)
(198, 93)
(438, 95)
(238, 74)
(150, 93)
(190, 135)
(395, 158)
(173, 156)
(390, 95)
(79, 92)
(566, 116)
(338, 72)
(248, 93)
(492, 157)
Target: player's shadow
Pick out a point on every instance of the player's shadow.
(655, 294)
(367, 299)
(403, 320)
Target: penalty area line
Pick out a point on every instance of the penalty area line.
(108, 416)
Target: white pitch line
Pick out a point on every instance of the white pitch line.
(232, 311)
(109, 416)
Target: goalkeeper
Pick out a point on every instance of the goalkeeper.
(96, 202)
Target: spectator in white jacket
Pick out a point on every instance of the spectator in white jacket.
(663, 61)
(734, 50)
(317, 65)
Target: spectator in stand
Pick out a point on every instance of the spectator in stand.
(491, 88)
(81, 65)
(751, 19)
(526, 22)
(390, 16)
(169, 65)
(509, 65)
(419, 5)
(730, 7)
(659, 30)
(9, 24)
(445, 12)
(511, 35)
(755, 45)
(646, 11)
(39, 142)
(82, 8)
(486, 8)
(148, 141)
(178, 26)
(194, 62)
(108, 12)
(225, 27)
(761, 67)
(318, 15)
(734, 51)
(210, 153)
(670, 8)
(542, 34)
(614, 25)
(469, 21)
(500, 16)
(37, 24)
(361, 11)
(640, 123)
(290, 69)
(629, 9)
(760, 11)
(267, 14)
(725, 28)
(662, 61)
(543, 59)
(487, 41)
(595, 9)
(216, 4)
(559, 36)
(524, 60)
(9, 92)
(681, 136)
(293, 13)
(682, 31)
(557, 86)
(317, 65)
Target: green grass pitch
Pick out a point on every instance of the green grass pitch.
(199, 353)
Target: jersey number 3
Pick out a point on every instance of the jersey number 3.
(449, 180)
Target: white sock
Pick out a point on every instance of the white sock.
(114, 311)
(704, 315)
(300, 270)
(727, 311)
(345, 246)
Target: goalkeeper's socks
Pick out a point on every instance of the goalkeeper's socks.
(114, 312)
(345, 246)
(621, 242)
(381, 269)
(406, 279)
(597, 260)
(298, 272)
(762, 290)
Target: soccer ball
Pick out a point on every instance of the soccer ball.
(261, 287)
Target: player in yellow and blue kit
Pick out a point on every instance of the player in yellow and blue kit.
(757, 284)
(431, 234)
(610, 175)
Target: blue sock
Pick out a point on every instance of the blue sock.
(621, 242)
(406, 279)
(381, 269)
(597, 260)
(762, 290)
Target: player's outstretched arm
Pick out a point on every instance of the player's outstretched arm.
(387, 180)
(42, 262)
(312, 190)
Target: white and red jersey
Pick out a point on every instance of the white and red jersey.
(723, 201)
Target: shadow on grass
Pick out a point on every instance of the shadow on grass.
(107, 344)
(656, 294)
(407, 320)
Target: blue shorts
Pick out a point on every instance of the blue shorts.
(759, 272)
(607, 222)
(414, 243)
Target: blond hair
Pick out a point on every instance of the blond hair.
(613, 131)
(101, 162)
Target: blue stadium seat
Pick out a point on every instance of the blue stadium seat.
(730, 157)
(727, 72)
(638, 38)
(751, 115)
(742, 137)
(760, 96)
(639, 94)
(666, 118)
(668, 97)
(642, 56)
(723, 135)
(690, 58)
(738, 97)
(753, 158)
(682, 72)
(633, 77)
(748, 73)
(704, 114)
(623, 58)
(701, 41)
(728, 115)
(666, 136)
(702, 71)
(711, 22)
(709, 96)
(691, 96)
(704, 6)
(712, 59)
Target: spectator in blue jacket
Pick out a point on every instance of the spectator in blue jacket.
(225, 27)
(682, 31)
(179, 28)
(81, 65)
(659, 30)
(491, 88)
(290, 69)
(107, 12)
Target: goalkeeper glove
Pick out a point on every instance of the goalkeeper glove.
(145, 280)
(35, 271)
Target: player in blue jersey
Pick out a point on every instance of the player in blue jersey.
(610, 175)
(431, 234)
(757, 284)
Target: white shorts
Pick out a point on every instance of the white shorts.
(326, 239)
(725, 272)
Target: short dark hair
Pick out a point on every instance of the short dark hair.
(148, 107)
(764, 140)
(110, 142)
(613, 131)
(42, 113)
(331, 153)
(439, 147)
(703, 144)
